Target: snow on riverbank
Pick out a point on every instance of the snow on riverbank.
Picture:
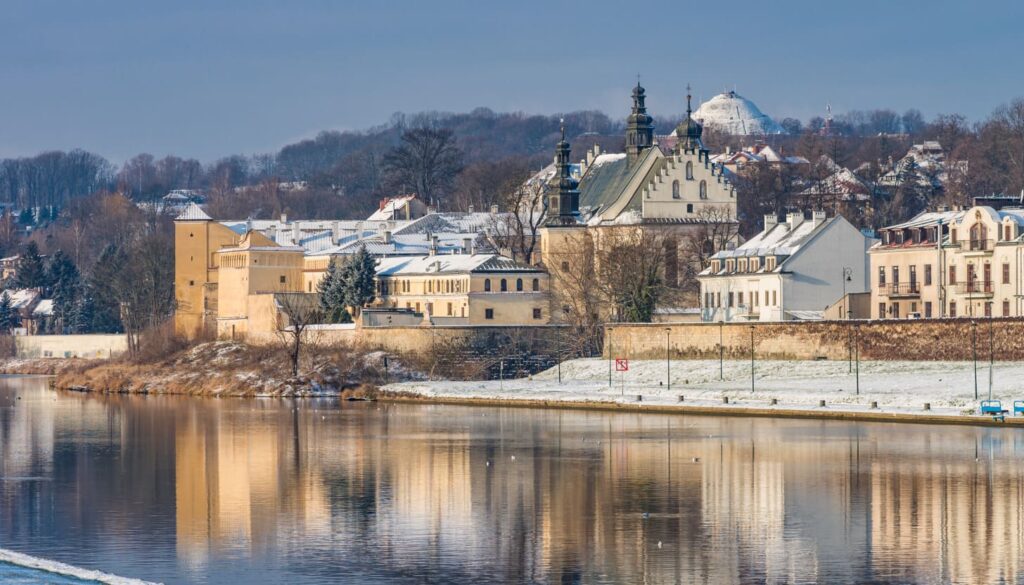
(897, 386)
(55, 568)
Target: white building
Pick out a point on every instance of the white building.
(734, 114)
(791, 270)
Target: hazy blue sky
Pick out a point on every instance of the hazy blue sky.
(206, 79)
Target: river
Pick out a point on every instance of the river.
(202, 490)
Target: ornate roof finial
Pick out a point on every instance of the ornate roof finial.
(689, 109)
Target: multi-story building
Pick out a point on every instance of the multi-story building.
(228, 273)
(950, 263)
(791, 270)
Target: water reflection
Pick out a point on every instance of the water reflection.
(193, 490)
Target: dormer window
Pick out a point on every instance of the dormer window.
(755, 264)
(769, 263)
(716, 266)
(730, 266)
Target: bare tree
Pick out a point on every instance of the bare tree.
(300, 311)
(427, 161)
(576, 299)
(631, 265)
(518, 231)
(716, 229)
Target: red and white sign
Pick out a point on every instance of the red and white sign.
(621, 365)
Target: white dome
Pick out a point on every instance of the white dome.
(733, 113)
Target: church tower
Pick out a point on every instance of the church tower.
(563, 204)
(689, 130)
(639, 127)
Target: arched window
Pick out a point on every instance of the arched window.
(689, 170)
(487, 285)
(519, 285)
(536, 284)
(675, 189)
(504, 285)
(703, 189)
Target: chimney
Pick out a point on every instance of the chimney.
(272, 232)
(597, 150)
(336, 232)
(794, 219)
(770, 221)
(818, 217)
(284, 217)
(248, 225)
(296, 232)
(471, 209)
(383, 202)
(494, 210)
(387, 236)
(467, 245)
(433, 245)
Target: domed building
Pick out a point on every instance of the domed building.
(730, 112)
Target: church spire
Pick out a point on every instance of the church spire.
(689, 130)
(639, 126)
(563, 204)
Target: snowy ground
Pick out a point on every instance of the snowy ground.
(897, 386)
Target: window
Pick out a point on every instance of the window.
(309, 288)
(536, 313)
(282, 279)
(775, 299)
(519, 285)
(1006, 308)
(675, 189)
(1007, 233)
(988, 309)
(689, 208)
(730, 300)
(952, 308)
(895, 275)
(895, 310)
(913, 277)
(449, 309)
(488, 313)
(952, 236)
(739, 300)
(565, 266)
(881, 310)
(881, 276)
(487, 285)
(703, 189)
(927, 274)
(536, 285)
(1006, 273)
(504, 285)
(952, 275)
(191, 283)
(927, 310)
(689, 170)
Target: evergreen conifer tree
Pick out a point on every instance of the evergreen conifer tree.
(65, 284)
(332, 296)
(9, 318)
(83, 314)
(30, 272)
(106, 310)
(360, 288)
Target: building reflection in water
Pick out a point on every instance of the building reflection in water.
(456, 494)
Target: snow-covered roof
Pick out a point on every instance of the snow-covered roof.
(44, 308)
(733, 113)
(21, 297)
(781, 239)
(193, 212)
(390, 207)
(450, 264)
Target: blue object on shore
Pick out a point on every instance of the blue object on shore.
(995, 408)
(1018, 407)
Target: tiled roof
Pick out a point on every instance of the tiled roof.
(193, 212)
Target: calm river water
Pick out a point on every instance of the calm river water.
(188, 490)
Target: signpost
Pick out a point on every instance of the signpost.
(622, 365)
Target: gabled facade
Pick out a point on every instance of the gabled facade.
(950, 263)
(792, 270)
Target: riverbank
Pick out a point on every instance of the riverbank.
(926, 392)
(225, 368)
(43, 366)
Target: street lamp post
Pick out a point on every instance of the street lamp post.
(848, 277)
(610, 356)
(751, 359)
(991, 358)
(721, 353)
(974, 345)
(857, 351)
(668, 358)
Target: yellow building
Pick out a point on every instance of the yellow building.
(226, 281)
(950, 263)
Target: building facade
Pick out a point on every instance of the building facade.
(950, 263)
(792, 270)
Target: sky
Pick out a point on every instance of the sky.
(206, 79)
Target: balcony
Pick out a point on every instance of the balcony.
(902, 290)
(978, 246)
(975, 287)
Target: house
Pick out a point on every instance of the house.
(791, 270)
(950, 263)
(401, 207)
(758, 153)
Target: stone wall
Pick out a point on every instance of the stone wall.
(926, 339)
(65, 346)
